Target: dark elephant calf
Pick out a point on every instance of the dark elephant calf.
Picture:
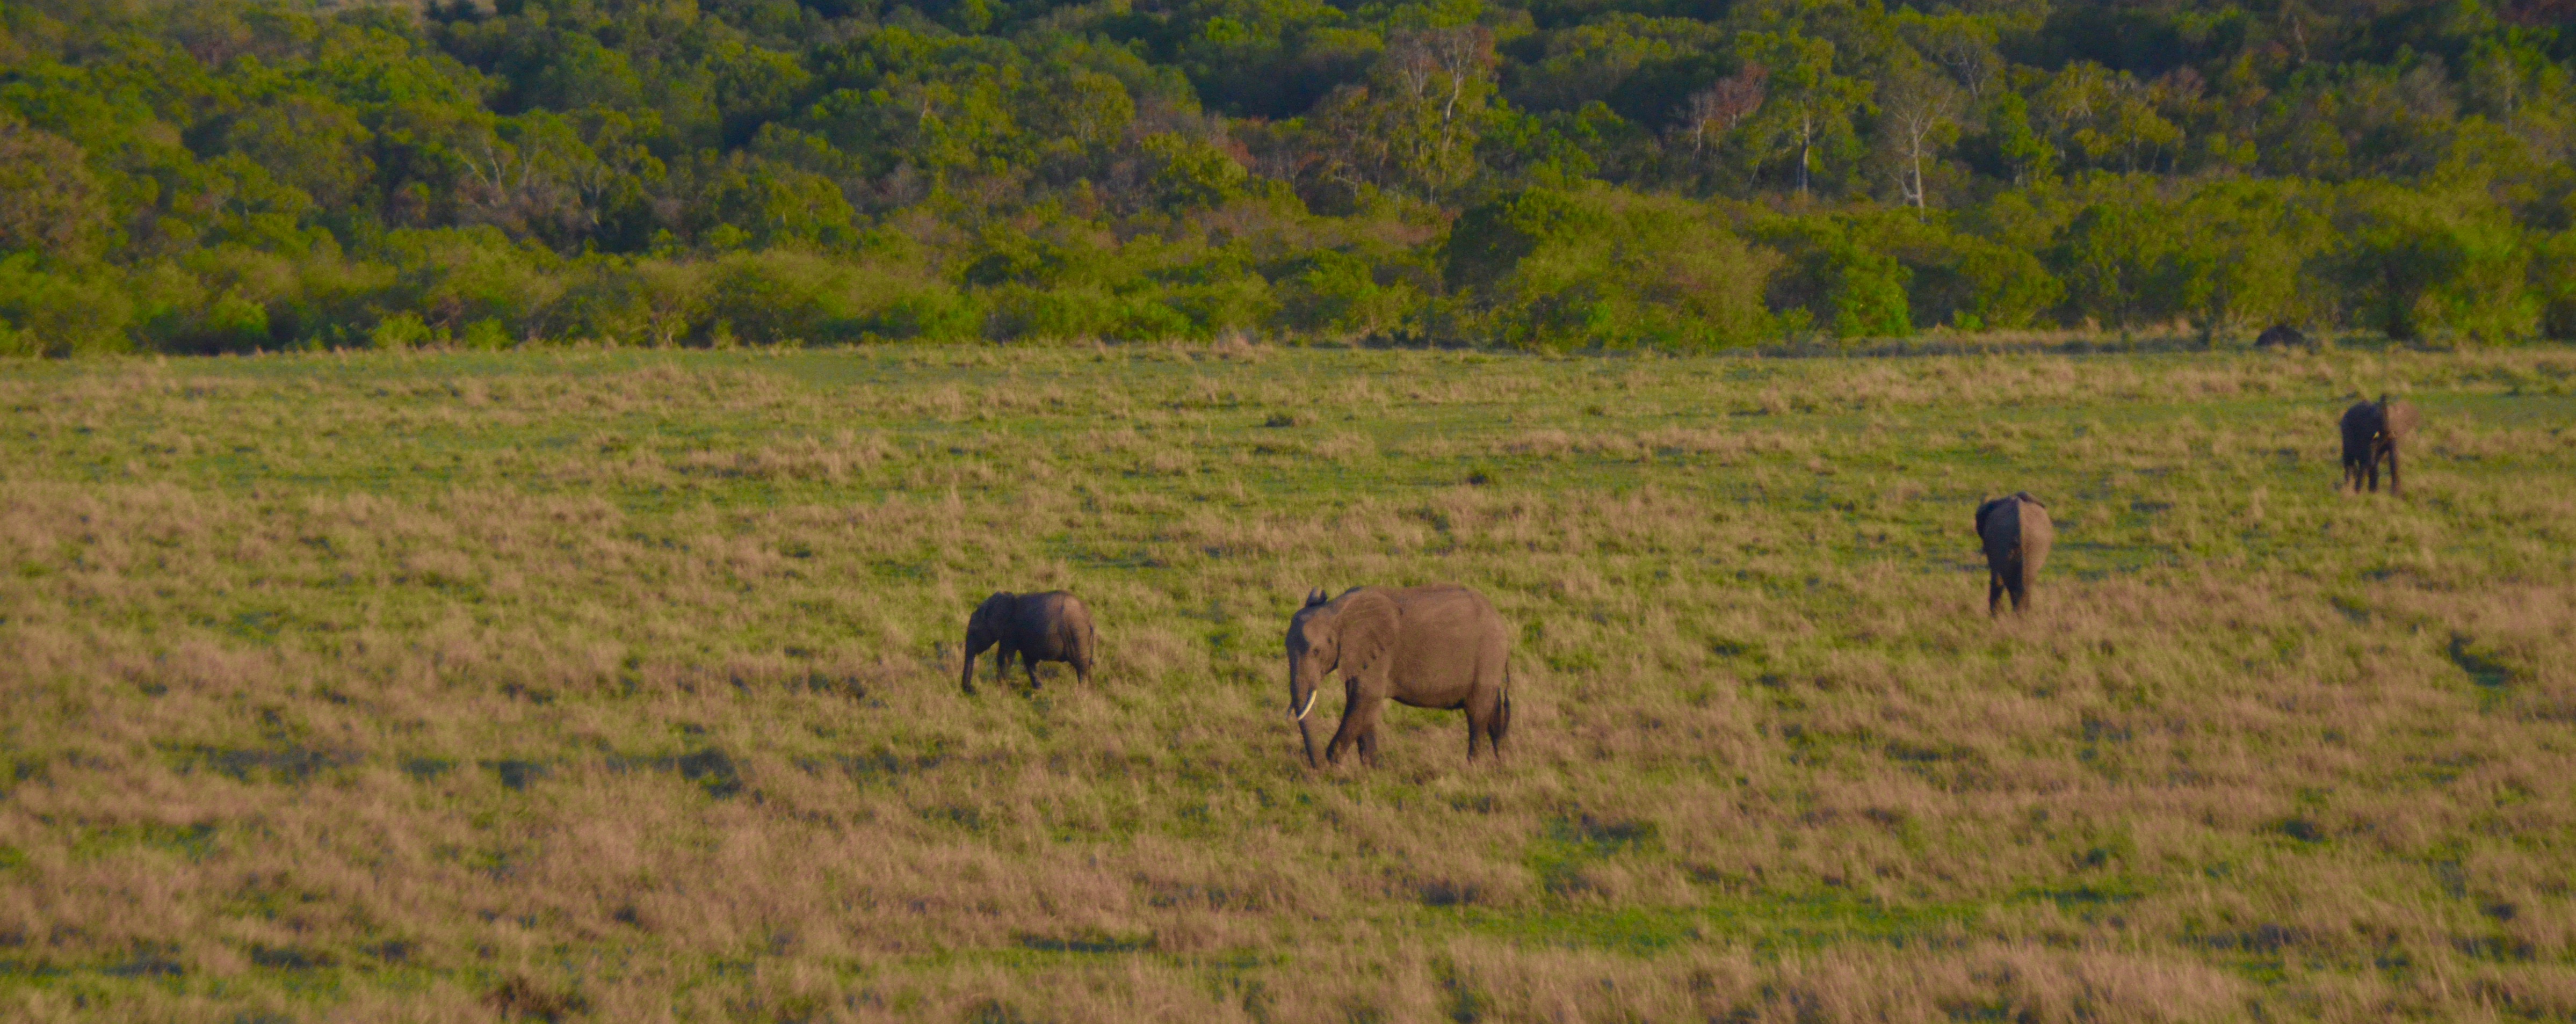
(1053, 626)
(2017, 533)
(2372, 433)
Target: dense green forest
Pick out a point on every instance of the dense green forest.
(227, 175)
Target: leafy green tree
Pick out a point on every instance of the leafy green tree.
(2436, 267)
(1962, 45)
(2250, 257)
(2108, 117)
(1950, 277)
(1808, 107)
(1835, 278)
(1598, 269)
(2028, 156)
(49, 202)
(309, 143)
(2114, 258)
(1415, 124)
(1337, 294)
(1643, 67)
(2553, 273)
(60, 311)
(262, 173)
(1190, 174)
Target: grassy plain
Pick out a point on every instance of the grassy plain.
(621, 686)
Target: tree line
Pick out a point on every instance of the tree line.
(229, 175)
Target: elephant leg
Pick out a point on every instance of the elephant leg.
(1343, 735)
(1002, 655)
(1368, 731)
(1482, 709)
(1359, 716)
(1029, 661)
(1994, 592)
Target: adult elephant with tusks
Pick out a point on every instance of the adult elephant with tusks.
(1440, 646)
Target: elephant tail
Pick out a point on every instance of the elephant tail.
(1503, 718)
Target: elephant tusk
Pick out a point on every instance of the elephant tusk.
(1310, 703)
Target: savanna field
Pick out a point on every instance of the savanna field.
(592, 685)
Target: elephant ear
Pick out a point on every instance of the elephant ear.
(993, 611)
(1364, 629)
(1985, 510)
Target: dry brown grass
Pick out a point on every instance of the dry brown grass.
(621, 686)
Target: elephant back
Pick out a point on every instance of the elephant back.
(1999, 528)
(2398, 420)
(2015, 527)
(1058, 617)
(2361, 425)
(2037, 534)
(1085, 637)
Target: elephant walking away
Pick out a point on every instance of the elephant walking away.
(2373, 431)
(1053, 626)
(2017, 534)
(1440, 646)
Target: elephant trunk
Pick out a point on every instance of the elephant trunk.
(975, 645)
(1301, 705)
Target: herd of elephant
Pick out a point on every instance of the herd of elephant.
(1445, 647)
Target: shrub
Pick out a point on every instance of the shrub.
(1601, 269)
(2423, 266)
(2116, 261)
(1998, 286)
(1337, 294)
(1020, 312)
(2553, 277)
(1222, 304)
(784, 296)
(1190, 174)
(1838, 279)
(1841, 276)
(2249, 256)
(933, 312)
(457, 277)
(400, 331)
(56, 311)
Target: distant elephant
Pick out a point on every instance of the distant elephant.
(1053, 626)
(2282, 335)
(1441, 646)
(2373, 431)
(2017, 534)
